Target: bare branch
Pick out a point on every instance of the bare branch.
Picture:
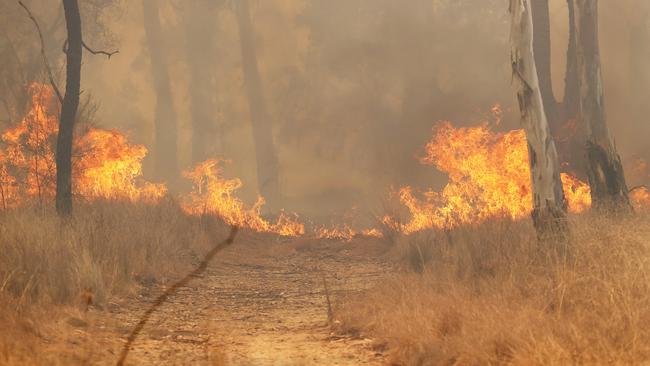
(47, 64)
(100, 52)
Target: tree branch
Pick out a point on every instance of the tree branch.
(47, 64)
(100, 52)
(83, 43)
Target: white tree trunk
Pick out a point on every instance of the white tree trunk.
(549, 205)
(604, 168)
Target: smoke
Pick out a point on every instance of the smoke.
(353, 87)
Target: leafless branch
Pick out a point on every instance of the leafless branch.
(99, 52)
(47, 64)
(83, 43)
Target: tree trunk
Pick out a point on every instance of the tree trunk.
(68, 109)
(571, 99)
(165, 150)
(549, 205)
(206, 140)
(572, 137)
(604, 168)
(267, 161)
(542, 52)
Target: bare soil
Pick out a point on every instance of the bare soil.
(258, 303)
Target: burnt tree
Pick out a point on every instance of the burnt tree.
(604, 168)
(267, 160)
(549, 205)
(69, 108)
(568, 137)
(542, 52)
(165, 149)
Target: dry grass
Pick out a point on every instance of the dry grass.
(51, 268)
(101, 251)
(490, 295)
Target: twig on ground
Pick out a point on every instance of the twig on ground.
(170, 291)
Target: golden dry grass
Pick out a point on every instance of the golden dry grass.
(101, 251)
(489, 295)
(51, 267)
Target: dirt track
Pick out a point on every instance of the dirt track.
(255, 305)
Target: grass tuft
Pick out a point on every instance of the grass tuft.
(489, 294)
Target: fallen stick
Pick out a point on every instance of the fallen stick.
(162, 298)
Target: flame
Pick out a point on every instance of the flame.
(213, 194)
(640, 197)
(104, 163)
(345, 232)
(489, 176)
(28, 161)
(112, 168)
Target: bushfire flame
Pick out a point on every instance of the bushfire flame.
(345, 232)
(489, 176)
(214, 194)
(105, 165)
(112, 168)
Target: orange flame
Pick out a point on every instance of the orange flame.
(489, 176)
(345, 232)
(640, 197)
(213, 194)
(112, 168)
(29, 156)
(105, 164)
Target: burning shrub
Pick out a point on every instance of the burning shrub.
(105, 164)
(489, 176)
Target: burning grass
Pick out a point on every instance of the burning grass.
(489, 176)
(489, 295)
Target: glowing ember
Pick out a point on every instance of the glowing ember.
(213, 194)
(640, 197)
(345, 232)
(489, 176)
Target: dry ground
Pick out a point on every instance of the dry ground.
(260, 303)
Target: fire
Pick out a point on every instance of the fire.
(345, 232)
(105, 164)
(112, 168)
(489, 176)
(28, 159)
(640, 197)
(213, 194)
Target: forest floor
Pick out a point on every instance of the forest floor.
(258, 303)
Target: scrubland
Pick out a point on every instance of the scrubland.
(107, 249)
(490, 294)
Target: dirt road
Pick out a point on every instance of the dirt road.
(257, 304)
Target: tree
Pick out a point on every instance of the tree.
(604, 168)
(200, 44)
(549, 205)
(165, 150)
(542, 52)
(267, 161)
(558, 113)
(69, 108)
